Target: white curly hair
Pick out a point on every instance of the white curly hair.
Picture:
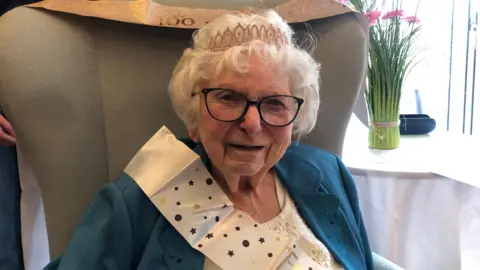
(198, 64)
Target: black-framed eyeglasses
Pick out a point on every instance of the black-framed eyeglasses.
(227, 105)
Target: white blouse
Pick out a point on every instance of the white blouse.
(290, 223)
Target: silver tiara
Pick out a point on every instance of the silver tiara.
(242, 34)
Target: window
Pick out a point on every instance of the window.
(446, 87)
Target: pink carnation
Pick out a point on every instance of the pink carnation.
(342, 1)
(393, 14)
(411, 19)
(372, 17)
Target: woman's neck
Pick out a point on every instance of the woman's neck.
(255, 196)
(235, 185)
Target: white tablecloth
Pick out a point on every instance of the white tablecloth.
(420, 203)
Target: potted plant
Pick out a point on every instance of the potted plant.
(392, 56)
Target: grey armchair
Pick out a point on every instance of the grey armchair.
(83, 94)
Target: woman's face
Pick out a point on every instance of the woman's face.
(248, 146)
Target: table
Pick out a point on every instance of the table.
(421, 202)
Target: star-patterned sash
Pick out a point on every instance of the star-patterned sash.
(179, 185)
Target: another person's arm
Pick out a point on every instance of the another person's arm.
(7, 135)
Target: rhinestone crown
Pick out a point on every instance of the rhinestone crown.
(242, 34)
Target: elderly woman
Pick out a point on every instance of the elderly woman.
(243, 90)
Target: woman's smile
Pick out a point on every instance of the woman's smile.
(244, 152)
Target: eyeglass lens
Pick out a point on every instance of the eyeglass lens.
(228, 105)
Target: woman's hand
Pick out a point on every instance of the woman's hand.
(7, 135)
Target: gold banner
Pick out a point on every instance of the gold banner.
(188, 13)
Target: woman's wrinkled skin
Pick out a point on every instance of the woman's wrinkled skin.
(246, 176)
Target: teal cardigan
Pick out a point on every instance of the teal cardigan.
(122, 229)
